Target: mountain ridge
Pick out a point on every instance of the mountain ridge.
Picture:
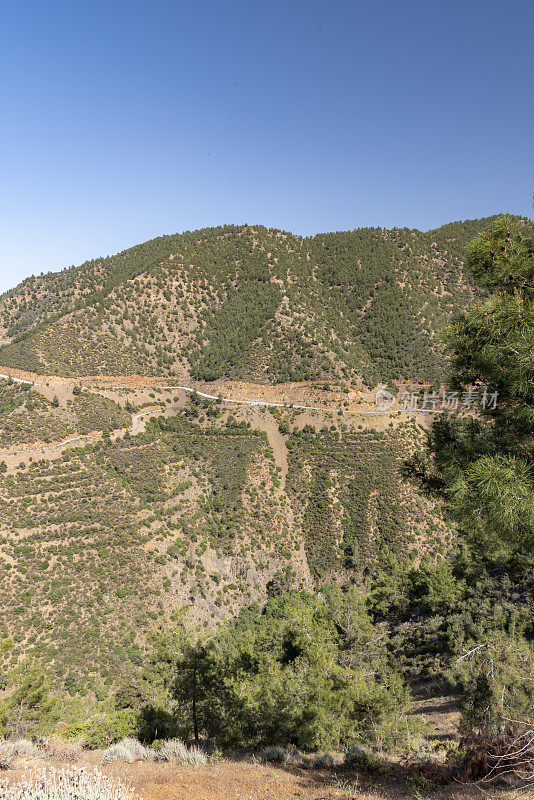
(248, 303)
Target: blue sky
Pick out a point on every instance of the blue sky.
(121, 120)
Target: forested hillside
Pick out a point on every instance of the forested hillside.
(251, 303)
(26, 416)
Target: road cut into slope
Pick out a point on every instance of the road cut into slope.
(96, 382)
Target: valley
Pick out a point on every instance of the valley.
(266, 401)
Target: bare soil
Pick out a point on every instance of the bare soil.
(231, 780)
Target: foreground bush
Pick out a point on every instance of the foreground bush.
(131, 750)
(69, 784)
(322, 760)
(14, 748)
(128, 750)
(110, 728)
(176, 750)
(55, 746)
(273, 755)
(360, 758)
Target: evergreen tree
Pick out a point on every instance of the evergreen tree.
(487, 464)
(309, 670)
(29, 703)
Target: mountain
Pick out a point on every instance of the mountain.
(123, 504)
(251, 303)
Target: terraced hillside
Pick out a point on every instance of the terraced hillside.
(351, 502)
(206, 511)
(28, 416)
(248, 303)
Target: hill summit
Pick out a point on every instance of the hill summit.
(248, 303)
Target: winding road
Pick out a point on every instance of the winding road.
(238, 401)
(50, 382)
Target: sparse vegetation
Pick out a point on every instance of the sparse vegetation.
(243, 580)
(128, 750)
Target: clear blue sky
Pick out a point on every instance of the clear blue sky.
(125, 119)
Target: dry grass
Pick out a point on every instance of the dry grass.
(176, 750)
(67, 784)
(56, 747)
(240, 780)
(504, 757)
(10, 749)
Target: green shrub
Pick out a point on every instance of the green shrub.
(322, 760)
(273, 755)
(418, 783)
(362, 759)
(111, 728)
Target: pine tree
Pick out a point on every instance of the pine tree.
(29, 703)
(488, 463)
